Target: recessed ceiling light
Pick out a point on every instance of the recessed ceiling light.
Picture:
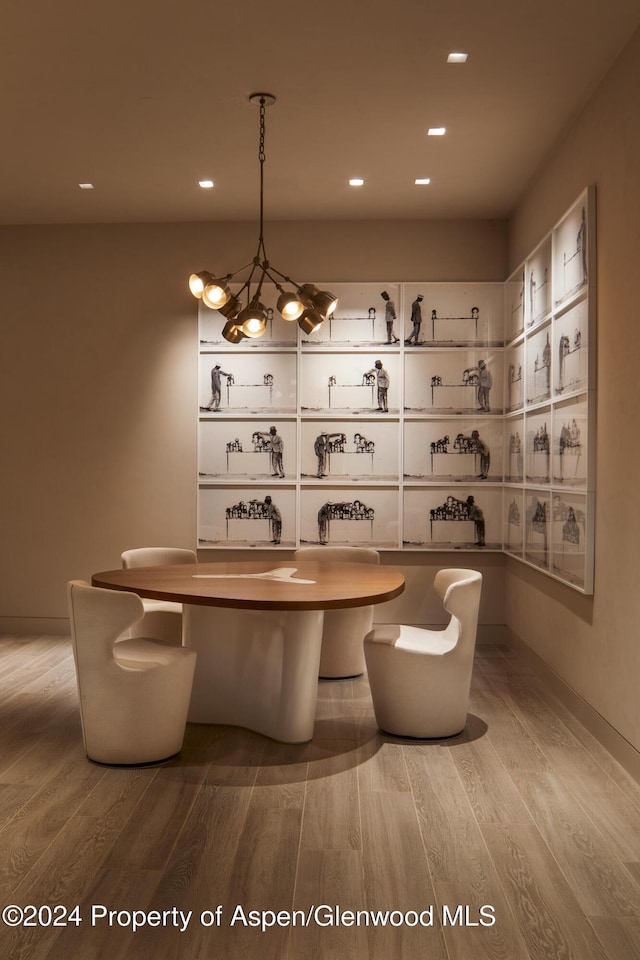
(457, 58)
(205, 184)
(86, 186)
(356, 182)
(422, 181)
(437, 131)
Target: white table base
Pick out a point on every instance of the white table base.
(256, 668)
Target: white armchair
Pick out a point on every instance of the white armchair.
(420, 678)
(162, 618)
(134, 693)
(342, 654)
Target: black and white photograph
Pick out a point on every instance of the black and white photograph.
(513, 520)
(341, 383)
(363, 318)
(538, 296)
(514, 377)
(537, 458)
(460, 450)
(247, 450)
(514, 449)
(453, 314)
(363, 516)
(448, 518)
(456, 381)
(570, 439)
(257, 516)
(571, 239)
(539, 366)
(514, 304)
(571, 336)
(569, 527)
(247, 382)
(349, 450)
(538, 529)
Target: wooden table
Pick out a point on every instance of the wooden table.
(257, 628)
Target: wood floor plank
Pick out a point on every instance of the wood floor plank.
(35, 826)
(326, 879)
(550, 919)
(396, 877)
(599, 881)
(491, 792)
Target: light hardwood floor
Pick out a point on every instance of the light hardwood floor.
(524, 813)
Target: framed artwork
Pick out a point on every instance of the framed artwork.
(363, 516)
(350, 383)
(537, 528)
(461, 315)
(570, 532)
(461, 450)
(247, 516)
(421, 416)
(514, 520)
(538, 296)
(263, 382)
(515, 371)
(367, 317)
(514, 449)
(514, 304)
(452, 518)
(538, 366)
(339, 450)
(247, 450)
(453, 381)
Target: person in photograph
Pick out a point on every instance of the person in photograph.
(416, 320)
(382, 383)
(275, 520)
(485, 382)
(389, 317)
(475, 513)
(276, 445)
(323, 523)
(481, 448)
(216, 388)
(321, 450)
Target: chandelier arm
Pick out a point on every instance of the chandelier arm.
(283, 276)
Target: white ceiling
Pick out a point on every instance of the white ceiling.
(144, 99)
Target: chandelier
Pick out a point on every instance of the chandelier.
(306, 304)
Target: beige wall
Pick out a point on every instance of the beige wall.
(98, 386)
(594, 644)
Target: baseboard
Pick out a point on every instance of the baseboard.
(615, 744)
(34, 626)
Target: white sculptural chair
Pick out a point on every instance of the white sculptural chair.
(342, 653)
(134, 693)
(162, 618)
(420, 678)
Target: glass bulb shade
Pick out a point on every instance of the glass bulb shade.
(232, 332)
(231, 308)
(290, 306)
(310, 320)
(197, 283)
(216, 293)
(325, 302)
(253, 321)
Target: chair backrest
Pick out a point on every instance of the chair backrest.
(98, 618)
(157, 556)
(338, 554)
(460, 591)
